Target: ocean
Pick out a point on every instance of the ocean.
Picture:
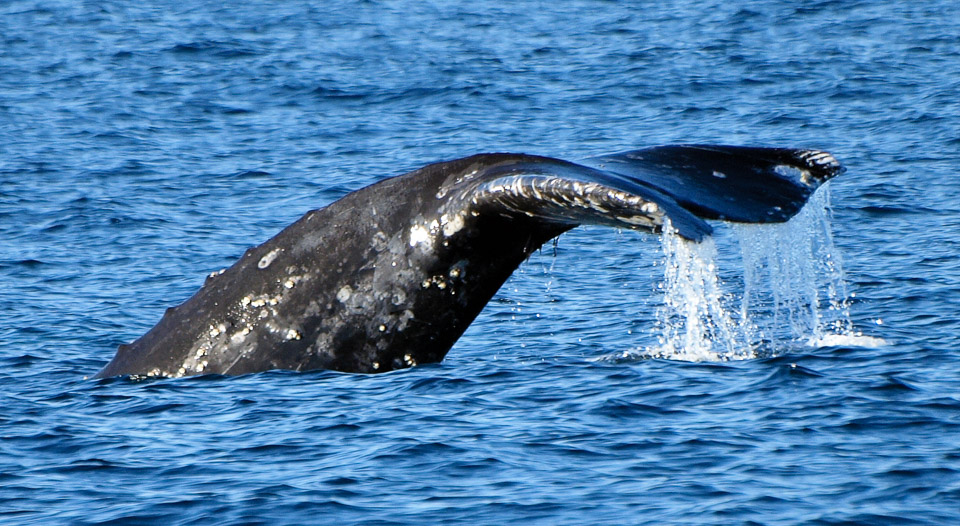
(145, 145)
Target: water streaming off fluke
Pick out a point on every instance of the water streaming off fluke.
(783, 290)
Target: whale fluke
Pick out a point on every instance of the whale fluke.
(392, 274)
(733, 183)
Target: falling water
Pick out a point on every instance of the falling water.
(792, 291)
(793, 278)
(695, 322)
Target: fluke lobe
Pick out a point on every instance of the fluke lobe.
(392, 274)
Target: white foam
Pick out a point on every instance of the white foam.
(857, 339)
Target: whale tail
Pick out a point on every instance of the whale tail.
(392, 274)
(733, 183)
(638, 189)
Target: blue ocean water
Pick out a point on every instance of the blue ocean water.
(144, 145)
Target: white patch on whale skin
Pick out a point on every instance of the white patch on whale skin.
(404, 318)
(268, 258)
(419, 235)
(343, 295)
(240, 336)
(379, 241)
(458, 270)
(451, 225)
(797, 174)
(821, 159)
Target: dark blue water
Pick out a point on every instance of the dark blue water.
(144, 145)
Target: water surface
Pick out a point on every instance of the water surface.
(144, 146)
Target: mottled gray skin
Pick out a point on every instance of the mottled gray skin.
(391, 275)
(346, 288)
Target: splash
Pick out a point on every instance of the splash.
(790, 291)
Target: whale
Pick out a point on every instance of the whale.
(391, 275)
